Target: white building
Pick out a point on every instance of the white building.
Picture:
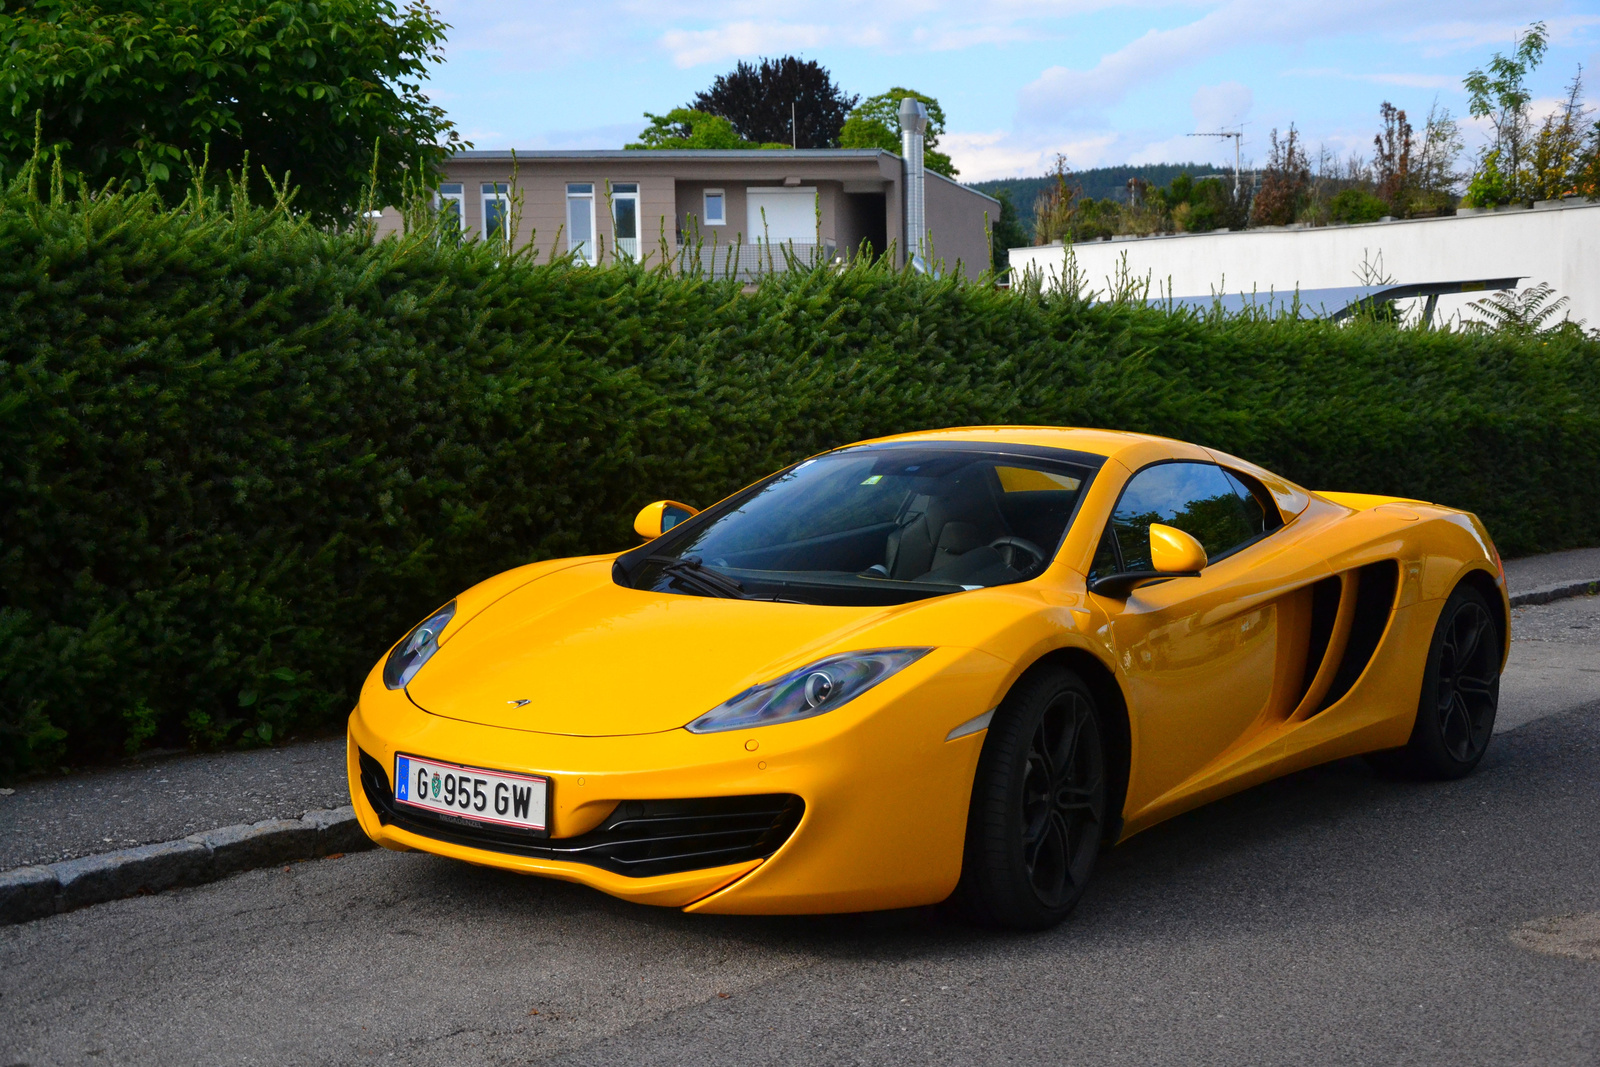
(1554, 242)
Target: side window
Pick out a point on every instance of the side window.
(1260, 510)
(1198, 498)
(1105, 557)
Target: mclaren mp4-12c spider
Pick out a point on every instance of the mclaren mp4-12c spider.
(945, 666)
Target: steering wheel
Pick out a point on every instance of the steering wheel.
(1014, 552)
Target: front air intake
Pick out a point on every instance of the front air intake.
(639, 839)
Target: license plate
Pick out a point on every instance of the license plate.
(472, 793)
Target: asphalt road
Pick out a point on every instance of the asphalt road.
(1332, 916)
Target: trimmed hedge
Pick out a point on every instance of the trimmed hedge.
(239, 455)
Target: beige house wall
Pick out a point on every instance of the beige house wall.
(956, 219)
(860, 195)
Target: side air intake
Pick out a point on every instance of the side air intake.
(1376, 584)
(1324, 614)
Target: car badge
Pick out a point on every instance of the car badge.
(436, 785)
(519, 703)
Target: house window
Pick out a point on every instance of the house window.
(625, 218)
(716, 213)
(496, 211)
(451, 206)
(580, 221)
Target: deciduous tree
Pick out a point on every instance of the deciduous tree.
(1499, 92)
(1283, 182)
(876, 124)
(138, 90)
(760, 100)
(686, 128)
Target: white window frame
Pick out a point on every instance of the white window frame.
(497, 192)
(457, 197)
(638, 220)
(705, 217)
(585, 255)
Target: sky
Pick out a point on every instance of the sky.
(1099, 82)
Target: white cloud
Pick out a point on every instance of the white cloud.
(741, 40)
(1408, 81)
(1003, 154)
(1500, 34)
(1063, 91)
(746, 29)
(1218, 106)
(1006, 154)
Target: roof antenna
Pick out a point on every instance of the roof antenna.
(1238, 138)
(794, 130)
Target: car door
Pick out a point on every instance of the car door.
(1204, 659)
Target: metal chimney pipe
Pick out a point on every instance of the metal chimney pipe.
(913, 127)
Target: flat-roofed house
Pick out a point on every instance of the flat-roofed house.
(723, 212)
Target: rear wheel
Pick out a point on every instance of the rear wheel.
(1038, 805)
(1460, 691)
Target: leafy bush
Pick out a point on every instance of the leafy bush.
(1357, 205)
(239, 455)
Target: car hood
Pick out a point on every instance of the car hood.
(592, 658)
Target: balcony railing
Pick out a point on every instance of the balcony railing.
(749, 262)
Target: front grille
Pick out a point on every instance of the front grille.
(640, 839)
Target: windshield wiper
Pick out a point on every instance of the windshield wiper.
(691, 572)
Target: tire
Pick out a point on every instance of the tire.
(1460, 691)
(1038, 811)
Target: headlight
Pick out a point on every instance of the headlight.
(418, 647)
(823, 686)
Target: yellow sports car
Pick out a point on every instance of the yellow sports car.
(943, 666)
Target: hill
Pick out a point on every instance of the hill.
(1099, 183)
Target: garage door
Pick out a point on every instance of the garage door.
(791, 215)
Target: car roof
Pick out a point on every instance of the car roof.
(1131, 449)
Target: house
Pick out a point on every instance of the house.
(722, 212)
(1554, 242)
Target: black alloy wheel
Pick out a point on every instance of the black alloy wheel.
(1460, 690)
(1038, 815)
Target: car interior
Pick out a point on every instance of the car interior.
(950, 519)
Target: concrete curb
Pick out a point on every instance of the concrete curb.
(34, 892)
(1544, 594)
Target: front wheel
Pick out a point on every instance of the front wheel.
(1460, 691)
(1038, 805)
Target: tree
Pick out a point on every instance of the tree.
(1500, 94)
(1199, 206)
(1434, 173)
(1555, 161)
(1283, 183)
(136, 91)
(684, 128)
(760, 100)
(1055, 208)
(1586, 175)
(1391, 159)
(1006, 232)
(876, 124)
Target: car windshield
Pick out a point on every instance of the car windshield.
(875, 525)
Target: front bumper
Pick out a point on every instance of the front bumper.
(870, 809)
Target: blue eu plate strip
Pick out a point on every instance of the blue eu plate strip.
(402, 778)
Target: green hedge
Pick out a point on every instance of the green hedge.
(239, 456)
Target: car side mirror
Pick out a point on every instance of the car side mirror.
(656, 519)
(1173, 554)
